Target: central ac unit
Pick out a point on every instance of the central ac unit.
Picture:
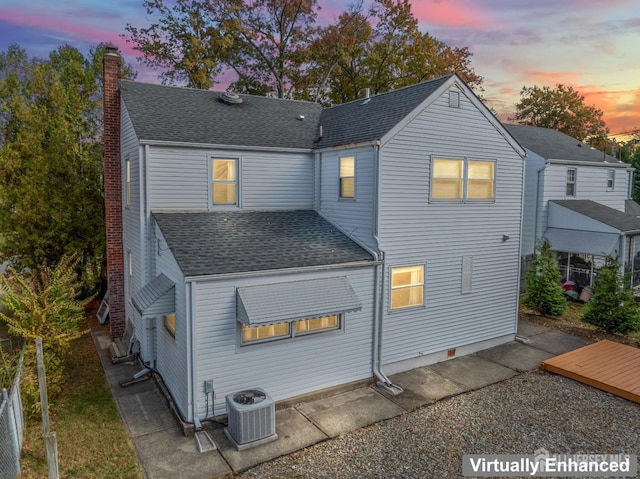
(252, 418)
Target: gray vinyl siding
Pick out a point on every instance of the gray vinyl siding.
(534, 180)
(287, 367)
(179, 179)
(354, 216)
(415, 230)
(172, 357)
(132, 212)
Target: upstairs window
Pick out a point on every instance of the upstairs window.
(347, 177)
(462, 180)
(225, 182)
(611, 179)
(128, 181)
(407, 286)
(571, 181)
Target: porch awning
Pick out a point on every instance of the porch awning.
(287, 302)
(585, 242)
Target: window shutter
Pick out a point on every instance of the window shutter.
(467, 274)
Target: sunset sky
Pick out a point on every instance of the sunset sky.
(591, 45)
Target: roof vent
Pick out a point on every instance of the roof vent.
(231, 98)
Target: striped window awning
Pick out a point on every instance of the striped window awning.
(286, 302)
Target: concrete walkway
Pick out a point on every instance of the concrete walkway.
(164, 451)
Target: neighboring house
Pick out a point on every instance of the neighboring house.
(579, 199)
(276, 244)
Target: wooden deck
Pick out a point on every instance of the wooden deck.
(606, 365)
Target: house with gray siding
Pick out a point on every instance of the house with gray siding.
(277, 244)
(578, 198)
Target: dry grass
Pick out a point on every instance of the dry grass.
(92, 441)
(571, 323)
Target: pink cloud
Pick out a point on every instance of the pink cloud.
(65, 28)
(450, 13)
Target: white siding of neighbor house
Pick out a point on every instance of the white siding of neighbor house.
(415, 230)
(179, 179)
(354, 216)
(172, 353)
(132, 231)
(591, 184)
(287, 367)
(533, 189)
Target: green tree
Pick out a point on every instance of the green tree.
(612, 307)
(185, 41)
(561, 108)
(383, 49)
(43, 304)
(544, 293)
(51, 159)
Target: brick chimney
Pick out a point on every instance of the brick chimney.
(113, 191)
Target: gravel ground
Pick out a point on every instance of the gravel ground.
(518, 416)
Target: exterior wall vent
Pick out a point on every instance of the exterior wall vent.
(252, 418)
(231, 98)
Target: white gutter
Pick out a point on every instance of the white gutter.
(190, 353)
(217, 146)
(603, 164)
(276, 272)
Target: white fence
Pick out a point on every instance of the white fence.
(11, 428)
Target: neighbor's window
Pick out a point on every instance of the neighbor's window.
(170, 324)
(128, 184)
(407, 286)
(347, 177)
(463, 179)
(571, 181)
(289, 330)
(225, 182)
(611, 179)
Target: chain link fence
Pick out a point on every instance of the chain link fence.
(11, 425)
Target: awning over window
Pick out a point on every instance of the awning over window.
(287, 302)
(586, 242)
(149, 295)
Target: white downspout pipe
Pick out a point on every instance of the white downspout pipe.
(383, 380)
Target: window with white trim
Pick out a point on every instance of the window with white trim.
(128, 181)
(301, 327)
(224, 182)
(407, 286)
(611, 179)
(462, 179)
(572, 176)
(347, 177)
(130, 272)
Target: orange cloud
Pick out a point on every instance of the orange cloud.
(450, 13)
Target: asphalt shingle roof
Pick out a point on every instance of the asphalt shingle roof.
(553, 144)
(207, 243)
(361, 120)
(604, 214)
(164, 113)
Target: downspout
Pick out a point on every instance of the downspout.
(522, 197)
(191, 389)
(383, 380)
(537, 207)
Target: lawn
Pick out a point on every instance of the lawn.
(92, 441)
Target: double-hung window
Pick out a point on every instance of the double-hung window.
(572, 175)
(407, 286)
(224, 181)
(463, 179)
(611, 179)
(347, 177)
(293, 329)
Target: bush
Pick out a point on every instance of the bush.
(612, 307)
(544, 293)
(43, 304)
